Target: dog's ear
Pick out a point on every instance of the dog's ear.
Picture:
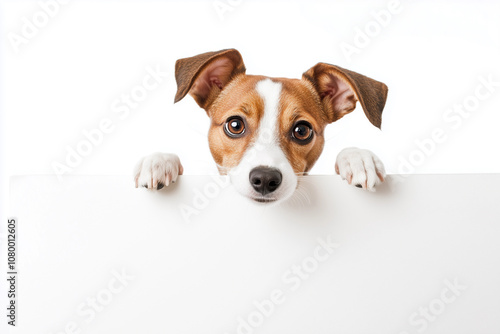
(339, 89)
(205, 75)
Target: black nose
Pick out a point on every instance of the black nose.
(265, 180)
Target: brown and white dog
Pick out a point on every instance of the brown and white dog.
(267, 132)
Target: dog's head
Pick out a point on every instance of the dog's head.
(265, 132)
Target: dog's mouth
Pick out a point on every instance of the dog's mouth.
(264, 199)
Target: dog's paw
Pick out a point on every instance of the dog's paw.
(157, 170)
(360, 168)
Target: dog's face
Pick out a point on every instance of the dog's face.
(266, 137)
(266, 132)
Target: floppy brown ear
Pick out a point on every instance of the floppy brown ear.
(205, 75)
(339, 89)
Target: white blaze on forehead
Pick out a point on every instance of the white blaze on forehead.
(268, 125)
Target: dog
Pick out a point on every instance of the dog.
(265, 132)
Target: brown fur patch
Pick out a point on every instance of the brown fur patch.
(300, 102)
(239, 98)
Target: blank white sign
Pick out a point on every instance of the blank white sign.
(96, 255)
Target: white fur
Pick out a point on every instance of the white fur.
(157, 168)
(360, 167)
(265, 149)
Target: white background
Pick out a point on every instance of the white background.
(66, 78)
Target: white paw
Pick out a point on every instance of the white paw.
(360, 168)
(157, 170)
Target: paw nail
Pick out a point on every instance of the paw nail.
(160, 185)
(359, 186)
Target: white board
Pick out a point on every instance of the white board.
(96, 255)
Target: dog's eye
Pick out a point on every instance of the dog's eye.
(234, 127)
(302, 132)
